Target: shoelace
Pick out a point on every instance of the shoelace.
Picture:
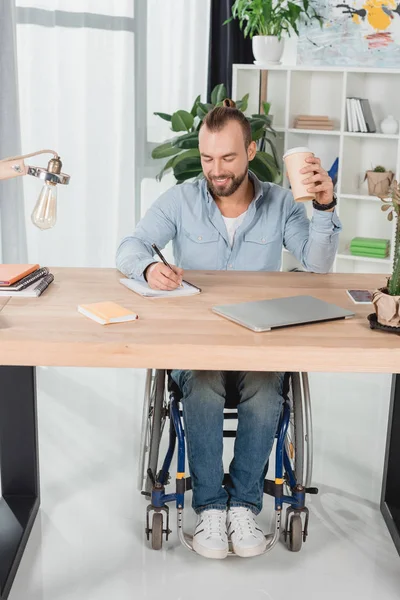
(214, 522)
(242, 522)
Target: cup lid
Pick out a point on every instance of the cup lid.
(296, 150)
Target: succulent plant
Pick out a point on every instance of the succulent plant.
(379, 169)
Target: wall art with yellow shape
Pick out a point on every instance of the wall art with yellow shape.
(362, 33)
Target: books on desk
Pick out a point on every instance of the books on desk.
(24, 281)
(107, 312)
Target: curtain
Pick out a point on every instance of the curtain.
(227, 46)
(12, 230)
(177, 50)
(77, 97)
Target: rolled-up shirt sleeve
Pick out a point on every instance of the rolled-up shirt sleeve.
(314, 243)
(158, 226)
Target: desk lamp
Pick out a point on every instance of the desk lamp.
(44, 214)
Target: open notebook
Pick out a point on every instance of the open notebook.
(142, 288)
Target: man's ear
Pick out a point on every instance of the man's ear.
(251, 150)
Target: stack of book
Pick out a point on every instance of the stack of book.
(313, 122)
(24, 281)
(372, 247)
(359, 116)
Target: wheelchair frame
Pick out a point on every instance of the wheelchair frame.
(293, 463)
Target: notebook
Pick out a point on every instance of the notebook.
(143, 289)
(9, 274)
(26, 281)
(32, 291)
(107, 312)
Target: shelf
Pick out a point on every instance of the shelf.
(327, 69)
(382, 136)
(359, 197)
(315, 131)
(295, 90)
(347, 256)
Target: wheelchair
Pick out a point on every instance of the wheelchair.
(293, 460)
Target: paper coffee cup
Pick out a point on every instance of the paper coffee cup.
(295, 160)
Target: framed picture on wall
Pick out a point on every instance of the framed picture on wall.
(355, 33)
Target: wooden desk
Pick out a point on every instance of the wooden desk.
(170, 333)
(185, 333)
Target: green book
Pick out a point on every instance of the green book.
(369, 248)
(370, 253)
(376, 243)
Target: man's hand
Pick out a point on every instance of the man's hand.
(321, 183)
(160, 277)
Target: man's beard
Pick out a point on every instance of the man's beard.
(233, 183)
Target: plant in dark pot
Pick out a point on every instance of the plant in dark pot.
(182, 151)
(387, 300)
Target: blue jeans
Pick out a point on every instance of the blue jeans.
(259, 409)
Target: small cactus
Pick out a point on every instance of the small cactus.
(379, 169)
(391, 203)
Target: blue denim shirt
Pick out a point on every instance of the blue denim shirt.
(188, 215)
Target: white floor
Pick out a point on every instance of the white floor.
(88, 541)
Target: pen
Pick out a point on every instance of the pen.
(157, 251)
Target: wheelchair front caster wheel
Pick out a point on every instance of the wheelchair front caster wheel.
(295, 534)
(157, 531)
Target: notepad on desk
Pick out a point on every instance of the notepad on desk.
(32, 290)
(143, 289)
(106, 313)
(10, 274)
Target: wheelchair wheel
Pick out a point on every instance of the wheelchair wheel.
(295, 534)
(153, 421)
(295, 435)
(157, 531)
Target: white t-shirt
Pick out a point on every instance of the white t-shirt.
(232, 223)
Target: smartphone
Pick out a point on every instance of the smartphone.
(360, 296)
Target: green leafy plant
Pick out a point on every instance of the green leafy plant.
(379, 169)
(391, 203)
(273, 17)
(183, 153)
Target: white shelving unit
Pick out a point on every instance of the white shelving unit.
(294, 90)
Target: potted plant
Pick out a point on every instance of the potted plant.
(183, 153)
(266, 21)
(386, 300)
(379, 181)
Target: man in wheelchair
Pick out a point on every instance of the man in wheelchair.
(230, 221)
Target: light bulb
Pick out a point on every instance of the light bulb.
(44, 214)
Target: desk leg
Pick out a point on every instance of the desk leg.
(19, 468)
(390, 500)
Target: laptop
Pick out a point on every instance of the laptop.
(265, 315)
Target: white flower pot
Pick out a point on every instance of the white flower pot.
(267, 49)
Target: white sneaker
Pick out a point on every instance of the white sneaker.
(210, 538)
(244, 533)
